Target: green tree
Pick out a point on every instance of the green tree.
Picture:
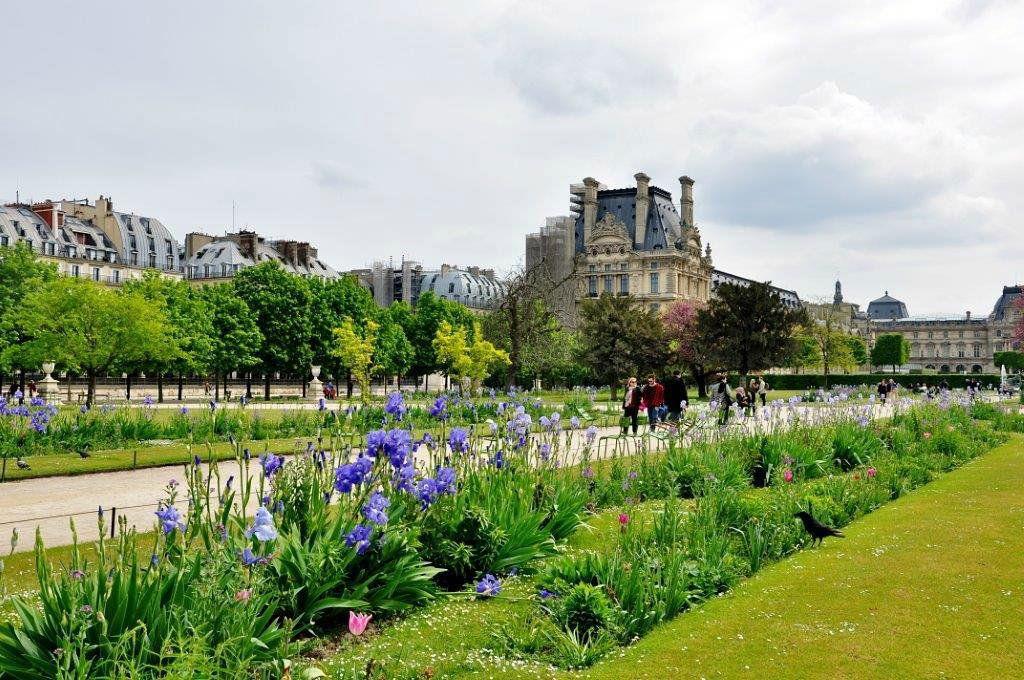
(858, 350)
(331, 301)
(354, 349)
(891, 349)
(829, 340)
(235, 337)
(619, 338)
(92, 329)
(421, 329)
(192, 333)
(1014, 361)
(393, 354)
(20, 273)
(748, 328)
(281, 303)
(533, 339)
(463, 358)
(803, 353)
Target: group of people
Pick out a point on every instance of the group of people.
(666, 401)
(663, 401)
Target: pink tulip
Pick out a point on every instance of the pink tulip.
(927, 435)
(357, 622)
(872, 472)
(243, 595)
(623, 521)
(787, 475)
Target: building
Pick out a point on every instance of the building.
(846, 316)
(630, 241)
(83, 240)
(953, 343)
(475, 287)
(210, 259)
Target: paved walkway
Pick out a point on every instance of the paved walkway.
(48, 503)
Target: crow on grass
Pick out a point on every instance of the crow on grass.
(816, 529)
(22, 465)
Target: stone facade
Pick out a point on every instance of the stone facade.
(212, 259)
(475, 287)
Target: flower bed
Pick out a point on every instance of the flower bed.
(341, 535)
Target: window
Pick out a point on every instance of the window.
(131, 243)
(607, 283)
(624, 266)
(608, 267)
(3, 239)
(72, 251)
(152, 259)
(592, 268)
(592, 285)
(224, 269)
(624, 284)
(451, 287)
(95, 273)
(51, 248)
(117, 276)
(206, 271)
(977, 349)
(654, 264)
(170, 249)
(152, 245)
(654, 282)
(74, 270)
(134, 259)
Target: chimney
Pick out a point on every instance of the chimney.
(104, 206)
(247, 244)
(968, 315)
(686, 201)
(643, 202)
(589, 206)
(195, 241)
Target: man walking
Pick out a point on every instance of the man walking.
(724, 396)
(654, 397)
(675, 395)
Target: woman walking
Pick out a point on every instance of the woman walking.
(631, 405)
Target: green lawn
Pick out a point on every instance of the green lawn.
(930, 585)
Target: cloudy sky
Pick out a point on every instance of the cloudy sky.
(879, 142)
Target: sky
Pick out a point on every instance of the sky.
(878, 142)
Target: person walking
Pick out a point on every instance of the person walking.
(753, 389)
(675, 395)
(762, 391)
(883, 390)
(654, 396)
(725, 397)
(631, 406)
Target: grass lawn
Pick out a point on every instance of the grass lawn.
(931, 585)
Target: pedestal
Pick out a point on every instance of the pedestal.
(48, 388)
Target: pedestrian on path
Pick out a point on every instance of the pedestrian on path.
(654, 396)
(725, 398)
(631, 405)
(675, 395)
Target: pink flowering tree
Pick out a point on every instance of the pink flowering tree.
(685, 342)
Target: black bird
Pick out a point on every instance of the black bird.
(84, 451)
(816, 529)
(22, 465)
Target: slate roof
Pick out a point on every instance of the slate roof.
(887, 307)
(663, 226)
(1006, 301)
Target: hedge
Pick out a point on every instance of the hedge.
(806, 381)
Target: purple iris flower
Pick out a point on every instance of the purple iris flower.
(170, 519)
(375, 508)
(426, 492)
(458, 440)
(488, 586)
(439, 409)
(591, 434)
(375, 441)
(272, 464)
(250, 559)
(359, 538)
(445, 482)
(263, 526)
(352, 474)
(395, 405)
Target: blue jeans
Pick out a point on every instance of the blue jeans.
(655, 414)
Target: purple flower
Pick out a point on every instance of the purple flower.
(250, 559)
(398, 446)
(352, 474)
(403, 477)
(488, 586)
(170, 519)
(148, 400)
(359, 538)
(588, 473)
(272, 464)
(395, 405)
(458, 440)
(426, 492)
(574, 423)
(83, 408)
(184, 410)
(591, 434)
(445, 480)
(263, 526)
(545, 451)
(375, 441)
(375, 508)
(439, 409)
(321, 404)
(499, 460)
(546, 594)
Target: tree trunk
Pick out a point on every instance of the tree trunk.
(426, 382)
(266, 387)
(128, 387)
(248, 385)
(348, 385)
(226, 376)
(90, 394)
(181, 386)
(303, 388)
(160, 387)
(21, 384)
(216, 385)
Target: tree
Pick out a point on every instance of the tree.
(891, 349)
(393, 354)
(20, 273)
(748, 328)
(87, 327)
(235, 338)
(281, 302)
(1014, 361)
(830, 345)
(803, 352)
(421, 328)
(192, 332)
(619, 338)
(686, 343)
(462, 357)
(354, 349)
(858, 350)
(331, 301)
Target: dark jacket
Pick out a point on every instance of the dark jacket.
(675, 393)
(632, 401)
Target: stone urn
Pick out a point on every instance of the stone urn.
(315, 388)
(48, 388)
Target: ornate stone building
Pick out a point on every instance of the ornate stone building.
(629, 241)
(476, 287)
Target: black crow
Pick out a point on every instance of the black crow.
(816, 529)
(84, 451)
(22, 465)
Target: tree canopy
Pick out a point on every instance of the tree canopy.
(891, 349)
(620, 338)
